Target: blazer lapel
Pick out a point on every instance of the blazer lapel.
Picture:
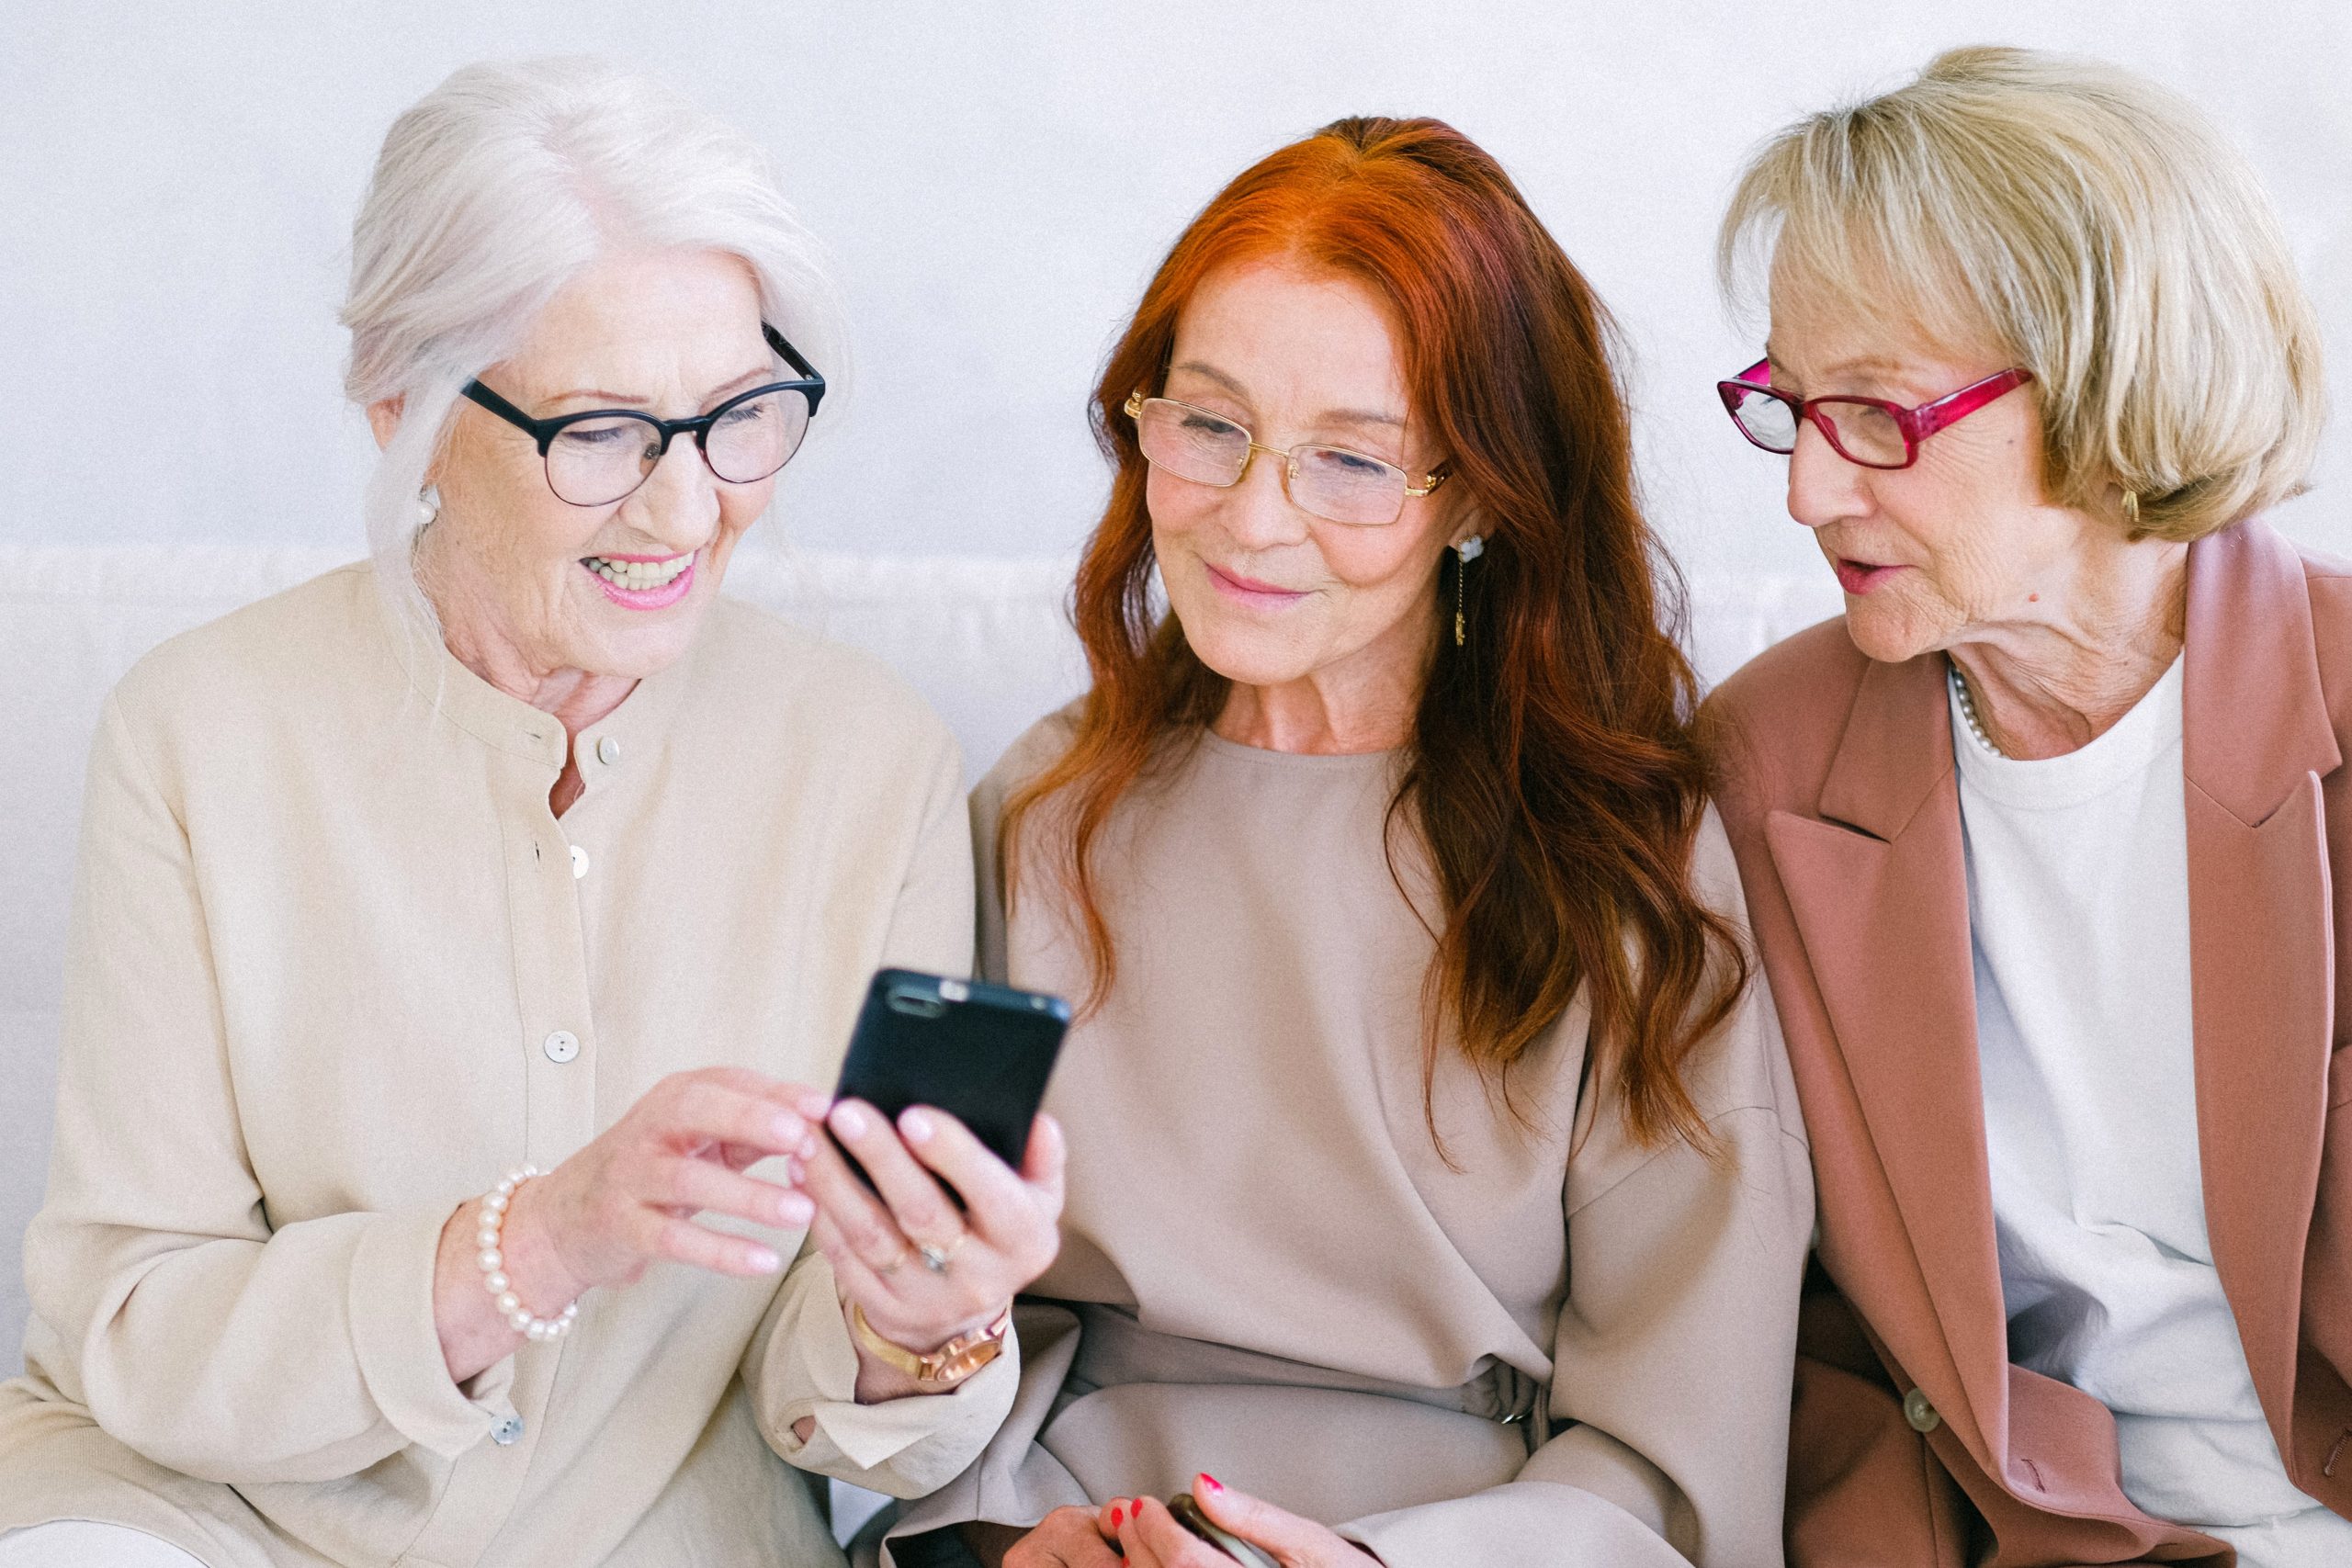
(2256, 741)
(1878, 885)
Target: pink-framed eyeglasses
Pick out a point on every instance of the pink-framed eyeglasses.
(1868, 431)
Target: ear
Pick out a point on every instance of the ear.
(384, 419)
(1471, 525)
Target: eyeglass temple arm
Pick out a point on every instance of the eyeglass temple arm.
(792, 356)
(1926, 420)
(538, 429)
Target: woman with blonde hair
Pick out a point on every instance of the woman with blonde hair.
(457, 933)
(2047, 840)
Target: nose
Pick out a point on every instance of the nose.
(1257, 512)
(677, 506)
(1823, 486)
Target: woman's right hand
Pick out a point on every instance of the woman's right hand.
(1069, 1537)
(626, 1202)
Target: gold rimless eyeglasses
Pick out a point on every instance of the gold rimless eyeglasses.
(1331, 482)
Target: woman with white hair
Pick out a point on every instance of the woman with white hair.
(453, 929)
(2048, 839)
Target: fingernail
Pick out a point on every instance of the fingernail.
(849, 1121)
(789, 1129)
(794, 1208)
(917, 1126)
(765, 1262)
(1118, 1516)
(1210, 1483)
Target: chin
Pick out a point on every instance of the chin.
(1241, 654)
(1890, 633)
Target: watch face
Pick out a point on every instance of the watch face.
(971, 1359)
(959, 1359)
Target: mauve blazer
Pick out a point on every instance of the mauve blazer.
(1839, 795)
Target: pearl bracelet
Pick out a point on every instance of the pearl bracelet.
(494, 1266)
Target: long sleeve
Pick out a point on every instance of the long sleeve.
(930, 926)
(336, 965)
(801, 1363)
(208, 1340)
(1670, 1384)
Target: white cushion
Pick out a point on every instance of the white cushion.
(987, 641)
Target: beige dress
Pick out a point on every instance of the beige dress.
(335, 967)
(1558, 1349)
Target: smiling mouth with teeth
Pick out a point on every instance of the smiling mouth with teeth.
(638, 576)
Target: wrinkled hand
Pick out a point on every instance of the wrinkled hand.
(924, 1271)
(628, 1199)
(1069, 1537)
(1151, 1536)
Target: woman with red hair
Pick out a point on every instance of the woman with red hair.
(1437, 1189)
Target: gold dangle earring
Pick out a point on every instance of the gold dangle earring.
(1465, 552)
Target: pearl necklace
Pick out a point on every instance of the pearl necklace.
(1968, 710)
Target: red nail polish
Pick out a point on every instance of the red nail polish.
(1210, 1483)
(1118, 1517)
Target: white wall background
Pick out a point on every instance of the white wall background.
(177, 179)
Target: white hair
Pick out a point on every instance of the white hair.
(494, 191)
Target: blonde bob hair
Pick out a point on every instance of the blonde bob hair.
(2086, 224)
(493, 191)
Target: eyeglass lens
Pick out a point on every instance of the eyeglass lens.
(1329, 482)
(594, 462)
(1862, 432)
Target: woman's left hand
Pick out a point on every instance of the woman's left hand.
(924, 1271)
(1151, 1536)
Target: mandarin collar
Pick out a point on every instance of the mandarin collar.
(506, 723)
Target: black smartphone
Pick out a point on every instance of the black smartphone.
(980, 1053)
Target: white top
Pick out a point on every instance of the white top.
(334, 967)
(2078, 911)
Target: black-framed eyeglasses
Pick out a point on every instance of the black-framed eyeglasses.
(601, 456)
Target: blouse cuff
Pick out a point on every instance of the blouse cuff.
(904, 1448)
(397, 1343)
(1520, 1521)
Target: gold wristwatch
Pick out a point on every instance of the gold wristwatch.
(941, 1369)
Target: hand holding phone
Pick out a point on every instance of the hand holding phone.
(939, 1187)
(1188, 1513)
(980, 1053)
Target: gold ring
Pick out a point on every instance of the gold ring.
(895, 1264)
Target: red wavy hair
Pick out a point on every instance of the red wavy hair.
(1553, 774)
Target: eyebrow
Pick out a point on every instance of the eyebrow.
(1329, 416)
(744, 382)
(1870, 366)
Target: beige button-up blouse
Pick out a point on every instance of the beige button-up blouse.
(1541, 1344)
(334, 968)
